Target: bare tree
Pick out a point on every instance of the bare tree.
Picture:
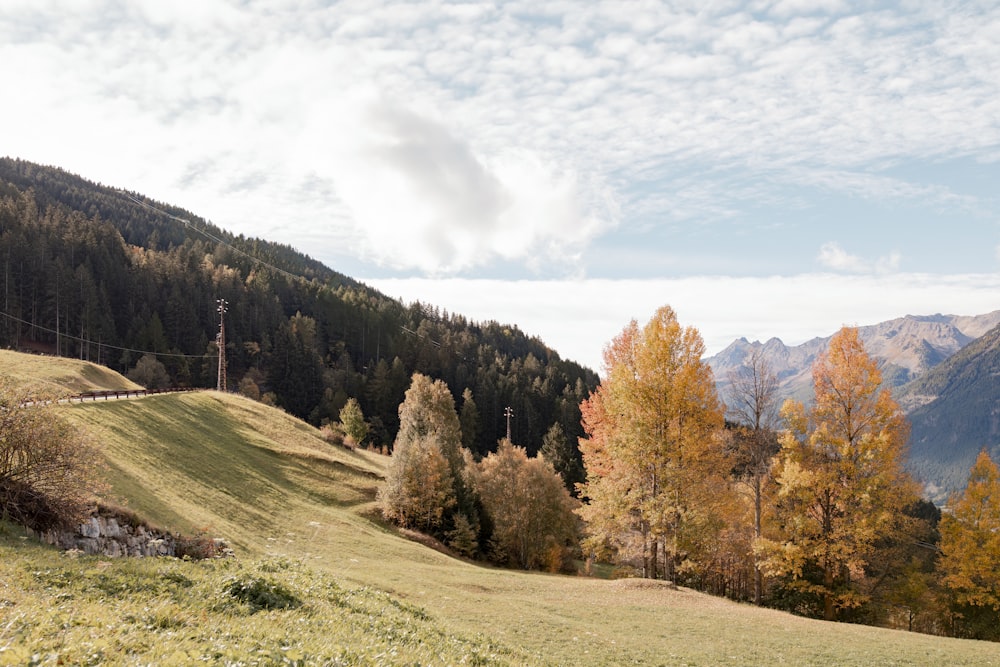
(49, 472)
(753, 398)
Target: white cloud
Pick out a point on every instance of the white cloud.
(424, 198)
(443, 138)
(833, 256)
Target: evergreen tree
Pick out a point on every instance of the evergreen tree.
(562, 456)
(469, 420)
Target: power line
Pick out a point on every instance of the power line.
(212, 237)
(104, 345)
(190, 225)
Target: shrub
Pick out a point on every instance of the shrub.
(150, 373)
(199, 546)
(48, 470)
(261, 593)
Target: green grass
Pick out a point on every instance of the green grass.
(57, 609)
(300, 514)
(58, 375)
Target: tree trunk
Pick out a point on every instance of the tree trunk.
(758, 579)
(829, 613)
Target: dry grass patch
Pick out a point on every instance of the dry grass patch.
(60, 376)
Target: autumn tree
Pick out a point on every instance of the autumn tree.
(753, 404)
(425, 480)
(353, 420)
(970, 549)
(419, 487)
(532, 513)
(654, 458)
(841, 482)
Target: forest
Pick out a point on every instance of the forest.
(105, 275)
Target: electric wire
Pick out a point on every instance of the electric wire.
(104, 345)
(190, 225)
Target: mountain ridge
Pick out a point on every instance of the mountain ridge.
(955, 413)
(906, 347)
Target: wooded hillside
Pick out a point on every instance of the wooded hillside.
(97, 273)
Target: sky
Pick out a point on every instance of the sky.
(767, 168)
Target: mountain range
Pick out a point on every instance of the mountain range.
(944, 371)
(906, 348)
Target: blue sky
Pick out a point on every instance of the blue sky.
(767, 168)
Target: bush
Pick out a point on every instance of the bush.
(261, 593)
(150, 373)
(200, 546)
(48, 470)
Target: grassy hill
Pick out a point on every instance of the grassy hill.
(59, 376)
(346, 588)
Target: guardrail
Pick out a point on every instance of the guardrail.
(126, 393)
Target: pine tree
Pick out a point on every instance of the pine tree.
(564, 458)
(354, 422)
(469, 420)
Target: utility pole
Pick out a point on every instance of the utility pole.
(220, 340)
(508, 413)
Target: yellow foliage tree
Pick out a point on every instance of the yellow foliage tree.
(419, 486)
(841, 482)
(534, 526)
(970, 539)
(424, 481)
(656, 468)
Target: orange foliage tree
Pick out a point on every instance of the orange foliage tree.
(970, 543)
(654, 455)
(841, 483)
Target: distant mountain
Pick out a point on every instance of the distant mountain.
(957, 413)
(906, 347)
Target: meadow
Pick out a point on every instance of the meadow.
(319, 579)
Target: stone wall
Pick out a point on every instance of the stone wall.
(113, 536)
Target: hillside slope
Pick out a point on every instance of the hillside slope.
(60, 376)
(271, 486)
(956, 413)
(300, 513)
(97, 273)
